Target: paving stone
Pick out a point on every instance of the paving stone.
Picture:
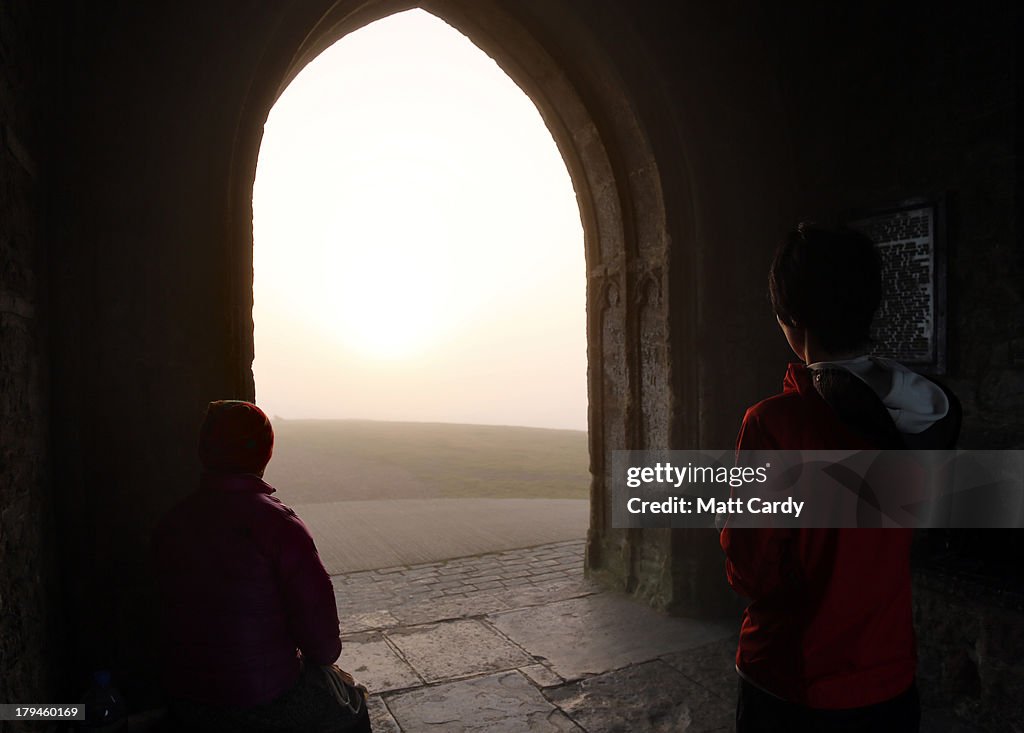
(541, 676)
(712, 666)
(516, 573)
(452, 593)
(451, 570)
(370, 660)
(597, 633)
(532, 595)
(512, 558)
(455, 649)
(381, 720)
(359, 622)
(485, 576)
(449, 583)
(418, 573)
(490, 585)
(547, 577)
(357, 603)
(501, 703)
(445, 608)
(512, 563)
(645, 698)
(349, 611)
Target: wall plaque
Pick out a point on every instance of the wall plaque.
(911, 323)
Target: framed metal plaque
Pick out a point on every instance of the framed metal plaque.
(911, 323)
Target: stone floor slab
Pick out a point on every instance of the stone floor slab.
(359, 622)
(456, 649)
(644, 698)
(597, 633)
(500, 703)
(381, 720)
(712, 665)
(541, 676)
(370, 660)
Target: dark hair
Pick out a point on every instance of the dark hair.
(828, 281)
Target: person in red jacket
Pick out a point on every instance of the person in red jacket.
(250, 618)
(827, 641)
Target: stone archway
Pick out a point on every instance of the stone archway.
(633, 393)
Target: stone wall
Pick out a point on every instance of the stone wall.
(929, 110)
(970, 637)
(27, 570)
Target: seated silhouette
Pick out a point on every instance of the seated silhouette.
(249, 615)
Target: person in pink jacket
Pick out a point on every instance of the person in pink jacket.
(250, 621)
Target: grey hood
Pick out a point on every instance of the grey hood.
(915, 403)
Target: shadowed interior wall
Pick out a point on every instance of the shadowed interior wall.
(724, 123)
(29, 74)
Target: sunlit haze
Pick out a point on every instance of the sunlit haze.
(418, 249)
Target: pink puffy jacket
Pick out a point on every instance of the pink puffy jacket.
(243, 591)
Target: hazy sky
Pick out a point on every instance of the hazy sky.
(418, 248)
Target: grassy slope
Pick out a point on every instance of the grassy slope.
(336, 460)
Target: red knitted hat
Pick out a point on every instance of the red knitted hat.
(236, 437)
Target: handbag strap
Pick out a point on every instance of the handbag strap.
(349, 697)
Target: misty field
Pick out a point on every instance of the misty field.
(317, 461)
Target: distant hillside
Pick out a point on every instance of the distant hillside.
(337, 460)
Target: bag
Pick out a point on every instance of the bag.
(347, 691)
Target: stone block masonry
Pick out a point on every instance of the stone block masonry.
(27, 565)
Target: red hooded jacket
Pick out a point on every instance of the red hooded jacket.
(243, 590)
(829, 624)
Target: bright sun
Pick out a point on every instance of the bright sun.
(384, 278)
(418, 252)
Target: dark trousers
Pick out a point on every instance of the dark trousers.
(759, 712)
(309, 707)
